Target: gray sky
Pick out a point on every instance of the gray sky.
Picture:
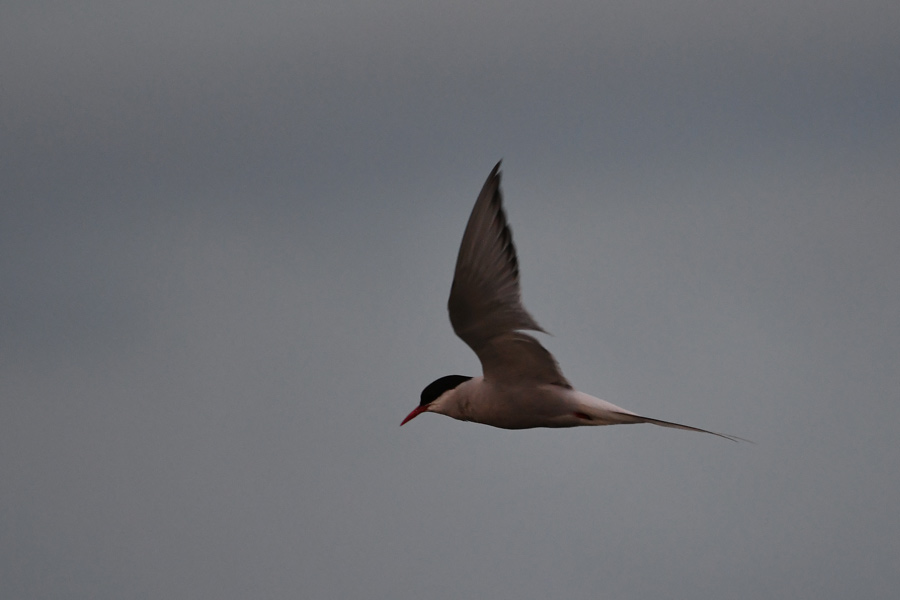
(227, 238)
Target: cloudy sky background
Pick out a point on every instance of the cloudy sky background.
(227, 235)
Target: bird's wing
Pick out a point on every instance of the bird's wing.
(486, 302)
(518, 358)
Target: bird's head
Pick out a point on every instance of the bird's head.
(436, 396)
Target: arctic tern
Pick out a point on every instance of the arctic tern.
(522, 386)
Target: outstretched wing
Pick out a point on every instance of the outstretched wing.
(485, 304)
(518, 357)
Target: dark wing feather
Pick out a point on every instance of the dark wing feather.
(485, 300)
(485, 303)
(518, 357)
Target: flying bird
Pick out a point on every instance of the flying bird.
(522, 386)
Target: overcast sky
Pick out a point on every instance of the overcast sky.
(227, 237)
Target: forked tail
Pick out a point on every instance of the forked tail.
(629, 418)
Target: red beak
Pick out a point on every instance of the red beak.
(415, 413)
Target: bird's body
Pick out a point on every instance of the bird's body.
(522, 386)
(525, 407)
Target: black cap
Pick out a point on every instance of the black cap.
(439, 386)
